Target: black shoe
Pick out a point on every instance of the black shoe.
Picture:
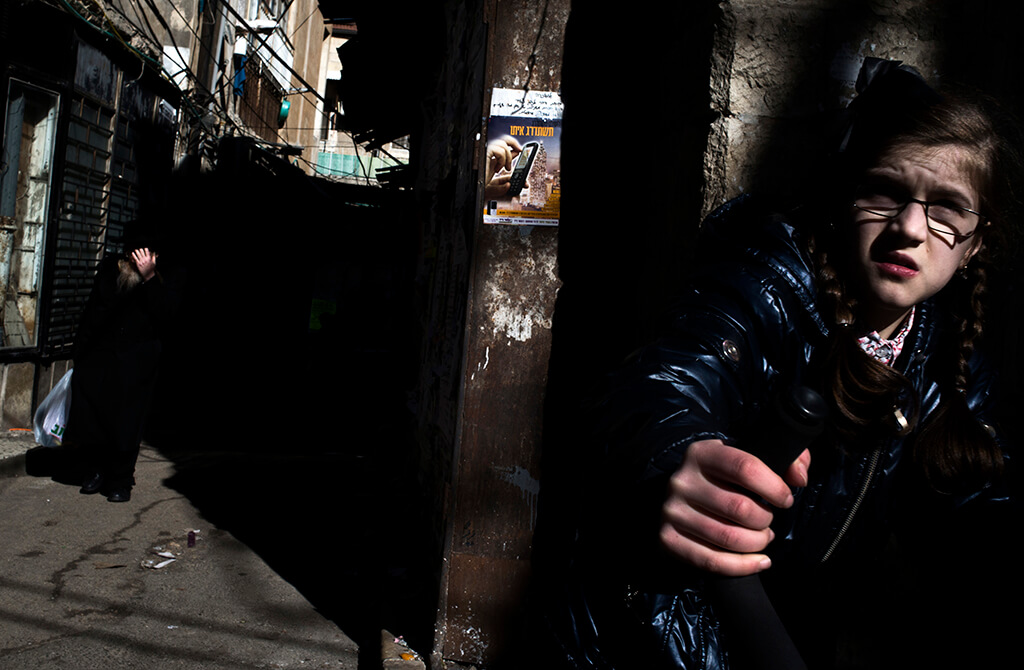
(92, 484)
(120, 494)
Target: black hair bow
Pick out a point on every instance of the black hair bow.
(887, 92)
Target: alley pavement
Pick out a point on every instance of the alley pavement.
(86, 583)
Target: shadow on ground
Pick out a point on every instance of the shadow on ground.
(347, 530)
(344, 529)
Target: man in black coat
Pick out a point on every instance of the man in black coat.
(117, 354)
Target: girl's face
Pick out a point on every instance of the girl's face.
(900, 261)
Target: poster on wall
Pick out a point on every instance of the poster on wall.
(523, 162)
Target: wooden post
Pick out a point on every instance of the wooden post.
(513, 285)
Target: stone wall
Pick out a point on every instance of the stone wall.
(16, 395)
(21, 390)
(780, 70)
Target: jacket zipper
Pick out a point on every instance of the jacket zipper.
(873, 460)
(869, 475)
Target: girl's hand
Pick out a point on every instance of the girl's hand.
(711, 519)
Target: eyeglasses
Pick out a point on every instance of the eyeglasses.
(944, 217)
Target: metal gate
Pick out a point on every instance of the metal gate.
(85, 227)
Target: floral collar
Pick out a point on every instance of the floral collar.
(887, 351)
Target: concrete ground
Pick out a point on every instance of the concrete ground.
(269, 583)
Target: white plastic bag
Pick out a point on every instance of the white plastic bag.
(52, 415)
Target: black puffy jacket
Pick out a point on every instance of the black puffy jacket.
(748, 324)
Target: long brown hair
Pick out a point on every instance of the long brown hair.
(951, 446)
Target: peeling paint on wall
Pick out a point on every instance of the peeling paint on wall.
(473, 640)
(513, 313)
(528, 486)
(517, 324)
(480, 367)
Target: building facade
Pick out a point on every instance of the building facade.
(85, 123)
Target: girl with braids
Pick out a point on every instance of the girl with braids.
(871, 295)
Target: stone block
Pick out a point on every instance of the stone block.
(17, 395)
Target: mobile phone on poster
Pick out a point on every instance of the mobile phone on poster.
(524, 163)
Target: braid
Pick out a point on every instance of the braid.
(833, 290)
(863, 392)
(971, 322)
(954, 446)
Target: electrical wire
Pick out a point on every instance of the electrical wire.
(67, 5)
(224, 115)
(226, 80)
(163, 22)
(263, 43)
(142, 16)
(299, 77)
(143, 56)
(191, 76)
(316, 8)
(113, 28)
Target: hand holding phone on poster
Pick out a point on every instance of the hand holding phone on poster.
(501, 155)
